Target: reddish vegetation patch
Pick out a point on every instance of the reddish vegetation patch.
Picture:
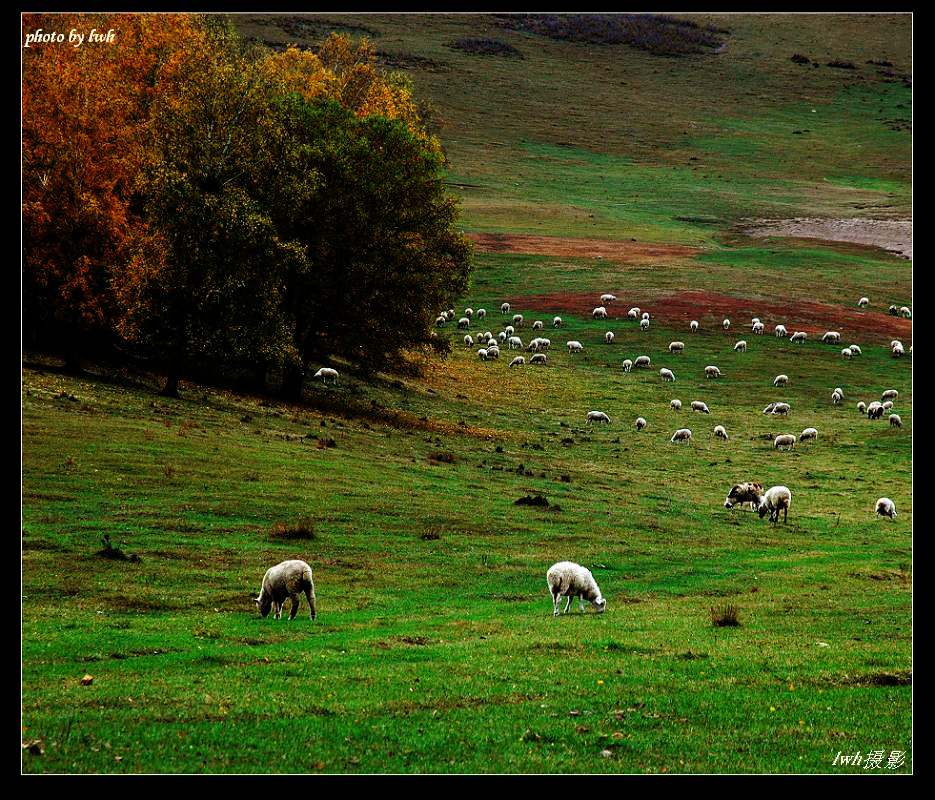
(629, 251)
(710, 309)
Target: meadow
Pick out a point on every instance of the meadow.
(435, 648)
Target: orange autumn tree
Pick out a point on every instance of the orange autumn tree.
(83, 109)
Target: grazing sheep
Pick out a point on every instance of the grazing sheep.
(904, 311)
(894, 311)
(468, 341)
(538, 344)
(747, 492)
(519, 361)
(469, 312)
(676, 347)
(798, 336)
(482, 354)
(837, 398)
(781, 409)
(627, 365)
(481, 313)
(287, 579)
(898, 351)
(847, 353)
(720, 432)
(515, 343)
(741, 346)
(895, 342)
(855, 350)
(754, 321)
(784, 440)
(450, 313)
(538, 325)
(463, 323)
(886, 508)
(509, 330)
(769, 409)
(863, 302)
(676, 405)
(807, 434)
(644, 315)
(712, 372)
(693, 326)
(598, 416)
(780, 380)
(776, 499)
(697, 405)
(644, 324)
(493, 352)
(607, 298)
(640, 423)
(887, 405)
(556, 322)
(518, 320)
(326, 373)
(681, 435)
(504, 308)
(667, 375)
(574, 346)
(641, 361)
(780, 331)
(875, 410)
(896, 421)
(890, 394)
(539, 358)
(831, 337)
(633, 313)
(567, 579)
(599, 313)
(726, 324)
(758, 328)
(861, 407)
(609, 337)
(441, 319)
(501, 337)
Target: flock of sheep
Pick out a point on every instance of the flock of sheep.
(566, 579)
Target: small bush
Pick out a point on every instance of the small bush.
(442, 456)
(485, 47)
(532, 500)
(798, 58)
(841, 64)
(303, 529)
(726, 617)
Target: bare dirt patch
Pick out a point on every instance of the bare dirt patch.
(893, 235)
(567, 247)
(710, 309)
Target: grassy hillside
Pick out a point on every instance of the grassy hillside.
(435, 648)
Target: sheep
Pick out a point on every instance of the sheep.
(781, 409)
(676, 405)
(633, 313)
(875, 410)
(468, 341)
(441, 319)
(831, 337)
(681, 435)
(667, 375)
(567, 579)
(798, 336)
(747, 492)
(463, 323)
(493, 352)
(780, 331)
(556, 322)
(518, 320)
(837, 398)
(609, 337)
(741, 346)
(450, 313)
(896, 421)
(712, 372)
(776, 499)
(482, 354)
(886, 508)
(697, 405)
(644, 315)
(769, 409)
(644, 324)
(863, 302)
(676, 347)
(504, 308)
(627, 365)
(889, 394)
(893, 311)
(808, 434)
(895, 342)
(720, 432)
(537, 325)
(519, 361)
(640, 423)
(887, 405)
(501, 337)
(726, 324)
(641, 361)
(904, 311)
(784, 440)
(847, 353)
(855, 350)
(754, 321)
(607, 298)
(758, 328)
(898, 351)
(509, 330)
(861, 407)
(325, 373)
(574, 346)
(481, 313)
(515, 343)
(693, 326)
(780, 380)
(598, 416)
(599, 313)
(469, 312)
(539, 358)
(287, 579)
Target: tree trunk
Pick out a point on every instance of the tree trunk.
(293, 379)
(171, 389)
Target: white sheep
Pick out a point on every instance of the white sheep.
(519, 361)
(863, 302)
(754, 321)
(720, 432)
(726, 324)
(326, 373)
(481, 313)
(886, 508)
(644, 315)
(640, 423)
(504, 308)
(861, 407)
(875, 410)
(741, 346)
(855, 350)
(598, 416)
(780, 380)
(758, 328)
(468, 341)
(607, 298)
(567, 579)
(501, 337)
(633, 313)
(509, 330)
(905, 311)
(837, 397)
(697, 405)
(780, 331)
(644, 324)
(482, 354)
(469, 312)
(896, 421)
(831, 337)
(776, 499)
(441, 319)
(894, 311)
(889, 394)
(667, 375)
(538, 325)
(681, 435)
(539, 358)
(786, 440)
(808, 434)
(599, 313)
(463, 323)
(287, 579)
(895, 342)
(887, 405)
(676, 347)
(847, 353)
(627, 365)
(556, 322)
(712, 372)
(898, 351)
(609, 337)
(798, 336)
(493, 352)
(693, 326)
(518, 320)
(676, 405)
(515, 343)
(574, 346)
(641, 361)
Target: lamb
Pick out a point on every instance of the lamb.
(599, 313)
(641, 361)
(518, 320)
(896, 421)
(481, 313)
(747, 492)
(890, 394)
(519, 361)
(726, 324)
(780, 331)
(697, 405)
(463, 323)
(847, 353)
(325, 373)
(567, 579)
(574, 346)
(831, 337)
(598, 416)
(808, 434)
(644, 324)
(556, 322)
(287, 579)
(780, 380)
(863, 302)
(515, 343)
(504, 308)
(667, 374)
(741, 346)
(640, 423)
(693, 326)
(720, 432)
(609, 337)
(607, 298)
(712, 372)
(798, 336)
(676, 405)
(538, 325)
(786, 440)
(776, 499)
(468, 341)
(676, 347)
(681, 435)
(539, 358)
(886, 508)
(627, 365)
(758, 328)
(875, 410)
